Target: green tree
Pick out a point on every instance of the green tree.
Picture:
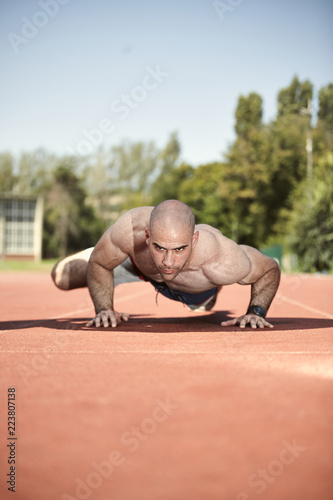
(7, 177)
(248, 114)
(171, 174)
(325, 113)
(287, 168)
(311, 221)
(292, 99)
(168, 186)
(311, 229)
(70, 224)
(246, 176)
(203, 192)
(34, 171)
(286, 159)
(170, 155)
(119, 179)
(100, 181)
(134, 163)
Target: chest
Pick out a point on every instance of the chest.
(190, 279)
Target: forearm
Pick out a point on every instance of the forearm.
(101, 286)
(264, 290)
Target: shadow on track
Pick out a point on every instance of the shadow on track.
(198, 323)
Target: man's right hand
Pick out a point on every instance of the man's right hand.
(108, 318)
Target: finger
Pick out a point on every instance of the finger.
(243, 323)
(97, 321)
(113, 319)
(90, 323)
(105, 320)
(253, 323)
(261, 323)
(230, 322)
(124, 316)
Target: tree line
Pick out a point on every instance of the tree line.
(273, 185)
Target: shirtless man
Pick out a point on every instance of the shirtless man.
(184, 262)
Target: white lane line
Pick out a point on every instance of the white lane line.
(306, 307)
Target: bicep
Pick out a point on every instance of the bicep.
(230, 263)
(260, 264)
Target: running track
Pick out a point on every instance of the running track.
(169, 406)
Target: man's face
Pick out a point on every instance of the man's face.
(170, 249)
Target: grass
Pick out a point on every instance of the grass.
(27, 265)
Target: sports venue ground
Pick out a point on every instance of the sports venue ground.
(169, 406)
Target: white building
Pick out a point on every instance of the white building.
(21, 222)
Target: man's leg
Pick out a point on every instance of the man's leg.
(71, 272)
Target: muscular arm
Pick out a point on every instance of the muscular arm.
(109, 252)
(100, 284)
(264, 278)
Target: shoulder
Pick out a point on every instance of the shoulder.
(128, 226)
(221, 259)
(139, 217)
(214, 240)
(119, 240)
(260, 264)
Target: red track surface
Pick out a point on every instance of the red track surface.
(169, 406)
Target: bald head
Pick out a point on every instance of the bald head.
(171, 213)
(171, 238)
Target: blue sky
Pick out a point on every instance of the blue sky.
(70, 67)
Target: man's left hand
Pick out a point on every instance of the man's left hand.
(253, 320)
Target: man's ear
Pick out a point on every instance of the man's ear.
(195, 239)
(147, 235)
